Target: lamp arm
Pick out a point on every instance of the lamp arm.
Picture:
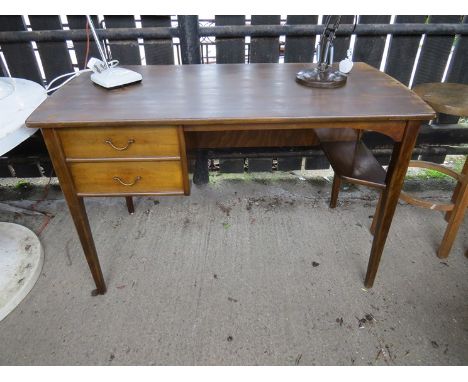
(96, 39)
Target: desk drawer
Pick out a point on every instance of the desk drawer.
(120, 142)
(115, 178)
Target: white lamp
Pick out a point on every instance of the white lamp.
(107, 76)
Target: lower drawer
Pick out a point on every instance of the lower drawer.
(114, 178)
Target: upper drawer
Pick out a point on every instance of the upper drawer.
(120, 142)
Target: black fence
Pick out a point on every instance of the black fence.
(414, 49)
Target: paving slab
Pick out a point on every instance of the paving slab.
(247, 271)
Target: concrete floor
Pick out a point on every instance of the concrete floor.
(243, 272)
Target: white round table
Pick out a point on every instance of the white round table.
(21, 254)
(18, 99)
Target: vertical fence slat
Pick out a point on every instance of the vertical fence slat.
(4, 169)
(189, 36)
(20, 56)
(263, 49)
(230, 50)
(341, 43)
(158, 51)
(458, 70)
(297, 49)
(403, 50)
(289, 164)
(300, 49)
(370, 48)
(54, 55)
(316, 162)
(434, 53)
(79, 22)
(126, 51)
(3, 72)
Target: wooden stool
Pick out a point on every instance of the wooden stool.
(452, 99)
(353, 162)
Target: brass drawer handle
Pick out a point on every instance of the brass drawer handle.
(117, 179)
(109, 142)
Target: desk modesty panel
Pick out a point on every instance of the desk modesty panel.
(133, 140)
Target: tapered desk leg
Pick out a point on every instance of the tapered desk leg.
(130, 206)
(376, 216)
(335, 190)
(80, 218)
(394, 181)
(76, 207)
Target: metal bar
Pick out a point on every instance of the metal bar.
(343, 30)
(80, 34)
(237, 31)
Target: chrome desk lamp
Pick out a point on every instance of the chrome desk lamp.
(323, 75)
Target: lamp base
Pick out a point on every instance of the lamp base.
(316, 78)
(112, 78)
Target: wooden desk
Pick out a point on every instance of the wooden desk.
(135, 140)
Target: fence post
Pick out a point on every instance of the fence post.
(189, 35)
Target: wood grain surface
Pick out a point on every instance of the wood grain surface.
(230, 93)
(448, 98)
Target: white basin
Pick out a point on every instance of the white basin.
(18, 99)
(21, 259)
(21, 255)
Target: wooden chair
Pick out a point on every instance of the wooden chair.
(353, 162)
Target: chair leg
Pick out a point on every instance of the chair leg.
(130, 207)
(376, 216)
(335, 190)
(455, 220)
(457, 189)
